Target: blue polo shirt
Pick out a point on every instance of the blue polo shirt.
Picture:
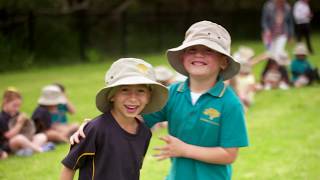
(61, 115)
(215, 120)
(299, 67)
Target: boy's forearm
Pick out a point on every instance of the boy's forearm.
(67, 174)
(213, 155)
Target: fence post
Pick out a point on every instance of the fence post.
(124, 34)
(31, 24)
(81, 19)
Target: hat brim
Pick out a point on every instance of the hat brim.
(174, 58)
(159, 94)
(52, 102)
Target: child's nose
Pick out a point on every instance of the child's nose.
(199, 53)
(133, 95)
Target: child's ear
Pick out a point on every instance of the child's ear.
(224, 63)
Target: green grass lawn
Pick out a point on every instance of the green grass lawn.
(283, 125)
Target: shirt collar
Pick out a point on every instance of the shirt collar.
(217, 90)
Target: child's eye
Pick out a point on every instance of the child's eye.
(142, 90)
(210, 51)
(191, 51)
(124, 89)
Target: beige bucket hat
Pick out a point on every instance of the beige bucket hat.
(243, 54)
(208, 34)
(130, 71)
(51, 95)
(300, 49)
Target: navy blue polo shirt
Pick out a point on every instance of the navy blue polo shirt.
(42, 119)
(4, 126)
(108, 151)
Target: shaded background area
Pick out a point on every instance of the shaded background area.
(69, 31)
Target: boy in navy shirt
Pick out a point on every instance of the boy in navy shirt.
(117, 141)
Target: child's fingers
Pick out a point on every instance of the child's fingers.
(81, 133)
(161, 156)
(165, 148)
(165, 139)
(71, 140)
(73, 137)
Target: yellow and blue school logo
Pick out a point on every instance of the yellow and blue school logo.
(142, 68)
(212, 113)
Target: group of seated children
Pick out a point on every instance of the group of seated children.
(275, 74)
(23, 136)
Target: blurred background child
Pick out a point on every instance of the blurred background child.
(301, 70)
(164, 75)
(3, 154)
(17, 132)
(59, 118)
(275, 74)
(244, 82)
(47, 110)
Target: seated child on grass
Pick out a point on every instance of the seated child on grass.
(17, 132)
(59, 118)
(51, 97)
(301, 70)
(244, 83)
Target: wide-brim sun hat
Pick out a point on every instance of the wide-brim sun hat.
(208, 34)
(300, 49)
(132, 71)
(243, 54)
(51, 95)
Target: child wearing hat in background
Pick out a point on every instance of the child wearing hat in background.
(205, 117)
(59, 118)
(244, 83)
(51, 97)
(17, 131)
(116, 141)
(275, 74)
(301, 70)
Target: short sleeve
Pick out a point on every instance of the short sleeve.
(153, 118)
(233, 127)
(79, 153)
(42, 119)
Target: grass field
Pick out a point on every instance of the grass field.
(283, 125)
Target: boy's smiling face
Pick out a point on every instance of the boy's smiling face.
(202, 61)
(129, 100)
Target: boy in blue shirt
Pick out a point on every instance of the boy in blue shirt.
(301, 70)
(205, 117)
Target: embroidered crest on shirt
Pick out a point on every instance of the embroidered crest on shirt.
(212, 113)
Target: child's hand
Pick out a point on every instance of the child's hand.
(174, 148)
(75, 138)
